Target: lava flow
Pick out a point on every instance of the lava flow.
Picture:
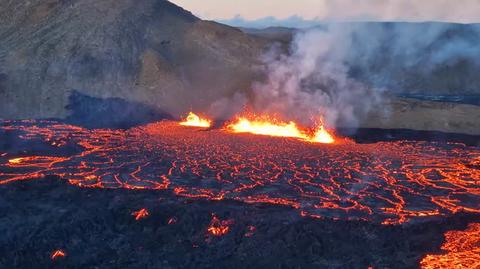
(219, 227)
(140, 214)
(385, 182)
(58, 254)
(194, 120)
(277, 128)
(462, 250)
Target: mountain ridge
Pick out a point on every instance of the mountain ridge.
(148, 51)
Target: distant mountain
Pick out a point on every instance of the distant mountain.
(266, 22)
(275, 34)
(144, 51)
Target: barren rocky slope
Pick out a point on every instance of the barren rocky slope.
(147, 51)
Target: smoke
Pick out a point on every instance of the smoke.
(313, 82)
(427, 58)
(341, 71)
(227, 107)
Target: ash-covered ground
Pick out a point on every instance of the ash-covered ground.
(213, 199)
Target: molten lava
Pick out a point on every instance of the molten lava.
(322, 136)
(218, 227)
(58, 254)
(274, 127)
(462, 250)
(390, 182)
(194, 120)
(244, 125)
(387, 182)
(15, 161)
(140, 214)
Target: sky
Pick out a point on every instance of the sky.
(284, 11)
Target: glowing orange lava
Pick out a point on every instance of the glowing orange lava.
(58, 254)
(322, 136)
(140, 214)
(386, 182)
(462, 250)
(194, 120)
(281, 129)
(219, 227)
(15, 161)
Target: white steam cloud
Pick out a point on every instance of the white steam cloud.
(313, 81)
(339, 71)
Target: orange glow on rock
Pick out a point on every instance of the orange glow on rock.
(273, 127)
(219, 227)
(58, 254)
(194, 120)
(140, 214)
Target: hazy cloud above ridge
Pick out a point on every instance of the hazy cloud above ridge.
(303, 13)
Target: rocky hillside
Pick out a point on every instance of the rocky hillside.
(149, 52)
(115, 63)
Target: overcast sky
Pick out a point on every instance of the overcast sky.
(462, 11)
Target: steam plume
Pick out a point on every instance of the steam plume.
(341, 70)
(313, 80)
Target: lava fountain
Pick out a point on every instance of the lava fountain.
(193, 120)
(273, 127)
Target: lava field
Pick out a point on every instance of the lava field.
(172, 196)
(384, 182)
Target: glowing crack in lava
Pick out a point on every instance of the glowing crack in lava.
(219, 227)
(462, 250)
(140, 214)
(193, 120)
(385, 182)
(277, 128)
(58, 254)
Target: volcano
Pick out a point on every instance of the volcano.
(103, 166)
(150, 52)
(389, 184)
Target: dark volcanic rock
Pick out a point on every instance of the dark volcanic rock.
(147, 51)
(95, 228)
(113, 113)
